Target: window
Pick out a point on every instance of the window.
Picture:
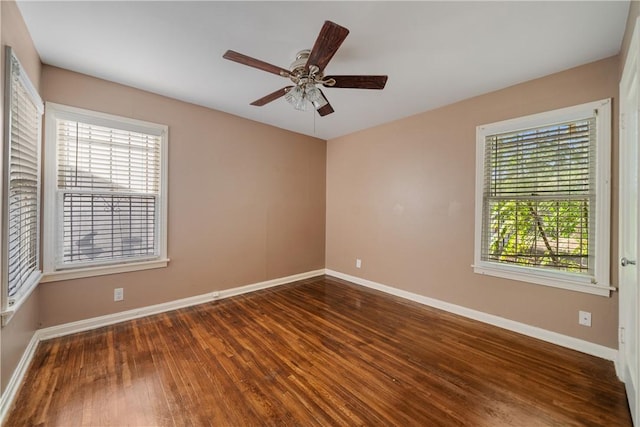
(21, 200)
(105, 194)
(542, 198)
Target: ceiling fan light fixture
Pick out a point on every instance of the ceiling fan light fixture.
(315, 97)
(305, 94)
(312, 92)
(297, 97)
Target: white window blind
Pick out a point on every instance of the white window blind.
(543, 198)
(539, 196)
(22, 185)
(108, 182)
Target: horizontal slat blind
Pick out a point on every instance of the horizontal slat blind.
(539, 194)
(108, 183)
(23, 184)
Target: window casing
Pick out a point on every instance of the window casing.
(21, 191)
(105, 194)
(543, 196)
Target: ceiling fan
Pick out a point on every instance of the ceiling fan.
(307, 72)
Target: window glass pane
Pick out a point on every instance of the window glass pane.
(539, 196)
(23, 183)
(107, 226)
(108, 183)
(551, 234)
(100, 158)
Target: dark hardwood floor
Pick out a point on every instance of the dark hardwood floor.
(316, 352)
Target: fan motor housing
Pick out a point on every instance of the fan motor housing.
(297, 66)
(299, 73)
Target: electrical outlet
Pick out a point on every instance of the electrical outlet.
(584, 318)
(358, 263)
(118, 294)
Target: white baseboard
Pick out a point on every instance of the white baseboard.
(511, 325)
(6, 400)
(123, 316)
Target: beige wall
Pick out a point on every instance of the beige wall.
(17, 334)
(246, 202)
(401, 197)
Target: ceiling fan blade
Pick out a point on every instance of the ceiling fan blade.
(358, 82)
(271, 97)
(326, 109)
(255, 63)
(329, 40)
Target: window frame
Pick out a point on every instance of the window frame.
(52, 235)
(10, 305)
(599, 284)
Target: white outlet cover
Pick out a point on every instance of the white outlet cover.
(584, 318)
(358, 263)
(118, 294)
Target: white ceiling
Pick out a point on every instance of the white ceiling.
(434, 53)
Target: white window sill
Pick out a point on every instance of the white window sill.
(78, 273)
(539, 279)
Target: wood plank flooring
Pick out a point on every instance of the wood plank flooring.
(315, 352)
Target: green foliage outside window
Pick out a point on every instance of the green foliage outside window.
(540, 233)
